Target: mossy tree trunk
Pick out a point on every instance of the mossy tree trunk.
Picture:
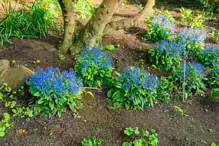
(69, 25)
(100, 24)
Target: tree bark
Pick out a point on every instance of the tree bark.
(130, 22)
(92, 33)
(69, 25)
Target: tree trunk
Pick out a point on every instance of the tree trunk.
(92, 33)
(69, 25)
(130, 22)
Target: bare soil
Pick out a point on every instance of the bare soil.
(198, 127)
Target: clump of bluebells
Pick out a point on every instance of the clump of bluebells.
(193, 40)
(94, 67)
(161, 28)
(209, 56)
(212, 78)
(55, 91)
(134, 89)
(166, 54)
(193, 79)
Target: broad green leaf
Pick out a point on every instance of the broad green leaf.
(2, 134)
(215, 93)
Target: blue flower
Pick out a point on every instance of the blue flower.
(55, 84)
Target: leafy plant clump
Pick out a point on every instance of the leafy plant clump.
(94, 67)
(84, 8)
(55, 91)
(166, 54)
(5, 124)
(193, 41)
(25, 23)
(193, 79)
(135, 89)
(161, 28)
(209, 56)
(142, 138)
(212, 78)
(92, 141)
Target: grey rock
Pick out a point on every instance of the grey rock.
(16, 77)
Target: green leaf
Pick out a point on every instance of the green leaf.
(89, 93)
(137, 131)
(40, 101)
(1, 96)
(7, 116)
(36, 94)
(51, 105)
(110, 47)
(215, 93)
(110, 93)
(129, 131)
(2, 134)
(127, 144)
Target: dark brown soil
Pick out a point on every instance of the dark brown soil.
(198, 127)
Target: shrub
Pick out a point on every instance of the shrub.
(92, 141)
(161, 28)
(212, 78)
(211, 5)
(166, 54)
(164, 89)
(25, 23)
(209, 56)
(186, 14)
(94, 67)
(135, 88)
(55, 91)
(194, 75)
(193, 41)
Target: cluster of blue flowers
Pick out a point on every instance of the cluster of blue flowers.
(93, 65)
(96, 56)
(54, 84)
(210, 56)
(164, 24)
(171, 49)
(192, 36)
(166, 54)
(192, 68)
(161, 28)
(134, 77)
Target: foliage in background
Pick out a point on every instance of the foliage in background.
(30, 22)
(52, 7)
(142, 138)
(83, 8)
(94, 67)
(92, 141)
(198, 21)
(134, 89)
(55, 91)
(194, 75)
(166, 54)
(215, 93)
(193, 41)
(211, 5)
(160, 28)
(186, 14)
(209, 56)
